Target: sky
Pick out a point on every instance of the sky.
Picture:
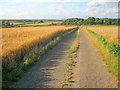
(57, 9)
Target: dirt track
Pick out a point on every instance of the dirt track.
(89, 72)
(50, 71)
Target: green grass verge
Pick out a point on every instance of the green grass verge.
(113, 48)
(108, 51)
(14, 74)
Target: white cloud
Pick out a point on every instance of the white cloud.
(95, 12)
(96, 3)
(105, 8)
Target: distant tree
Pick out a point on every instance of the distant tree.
(6, 24)
(91, 20)
(3, 23)
(106, 21)
(113, 21)
(100, 21)
(117, 22)
(72, 21)
(26, 20)
(53, 24)
(80, 23)
(41, 21)
(86, 22)
(97, 21)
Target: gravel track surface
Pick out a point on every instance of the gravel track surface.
(50, 70)
(90, 71)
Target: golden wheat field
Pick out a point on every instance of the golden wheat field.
(109, 32)
(15, 38)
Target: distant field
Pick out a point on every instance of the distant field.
(36, 24)
(42, 24)
(56, 22)
(109, 32)
(15, 23)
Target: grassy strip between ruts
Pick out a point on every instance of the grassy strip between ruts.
(29, 60)
(71, 62)
(108, 51)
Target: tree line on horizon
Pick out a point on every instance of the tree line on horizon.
(7, 24)
(91, 21)
(70, 21)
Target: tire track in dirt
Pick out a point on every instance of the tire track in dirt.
(90, 70)
(48, 72)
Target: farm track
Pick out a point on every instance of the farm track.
(90, 71)
(48, 72)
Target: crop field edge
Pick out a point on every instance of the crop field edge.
(17, 72)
